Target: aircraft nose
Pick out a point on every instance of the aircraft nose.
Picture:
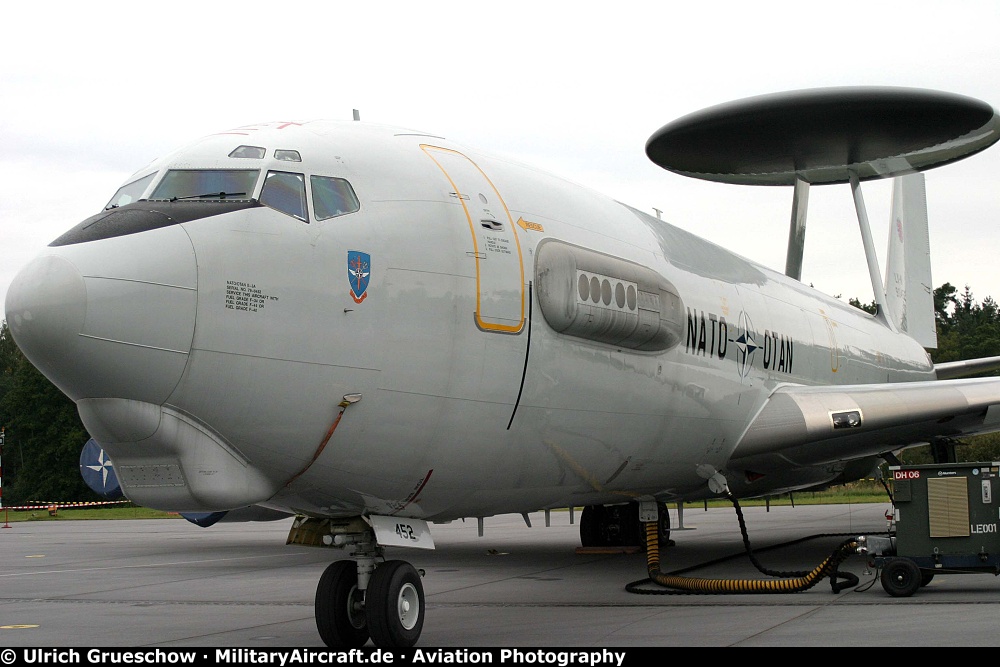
(46, 306)
(111, 318)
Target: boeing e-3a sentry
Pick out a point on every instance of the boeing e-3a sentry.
(374, 329)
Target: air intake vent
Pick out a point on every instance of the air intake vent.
(606, 299)
(948, 506)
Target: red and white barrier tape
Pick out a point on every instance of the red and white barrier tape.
(67, 505)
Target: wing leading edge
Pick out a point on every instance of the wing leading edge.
(956, 369)
(801, 425)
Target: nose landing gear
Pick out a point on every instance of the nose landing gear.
(357, 598)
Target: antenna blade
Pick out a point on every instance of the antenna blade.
(909, 291)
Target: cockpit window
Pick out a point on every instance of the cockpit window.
(285, 192)
(207, 184)
(286, 155)
(332, 197)
(248, 152)
(130, 192)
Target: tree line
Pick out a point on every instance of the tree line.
(44, 435)
(966, 329)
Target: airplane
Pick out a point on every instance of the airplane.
(374, 329)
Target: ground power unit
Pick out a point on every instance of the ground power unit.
(944, 521)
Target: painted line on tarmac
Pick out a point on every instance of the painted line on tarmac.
(148, 565)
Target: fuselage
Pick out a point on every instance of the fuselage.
(510, 341)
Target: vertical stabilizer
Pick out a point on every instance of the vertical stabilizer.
(909, 291)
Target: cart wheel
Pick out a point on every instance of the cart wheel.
(901, 577)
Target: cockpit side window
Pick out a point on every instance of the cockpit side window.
(332, 197)
(285, 192)
(287, 155)
(248, 152)
(130, 192)
(207, 184)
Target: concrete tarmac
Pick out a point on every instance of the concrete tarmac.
(168, 583)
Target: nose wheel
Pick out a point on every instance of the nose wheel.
(340, 607)
(390, 611)
(394, 604)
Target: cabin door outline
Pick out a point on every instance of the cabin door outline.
(495, 245)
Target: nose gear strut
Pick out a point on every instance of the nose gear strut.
(362, 596)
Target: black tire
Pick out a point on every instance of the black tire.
(631, 531)
(901, 577)
(340, 615)
(394, 604)
(618, 526)
(664, 526)
(591, 519)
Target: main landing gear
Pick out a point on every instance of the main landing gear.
(360, 598)
(619, 526)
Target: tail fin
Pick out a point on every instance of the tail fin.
(909, 291)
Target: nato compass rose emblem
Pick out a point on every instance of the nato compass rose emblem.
(358, 272)
(746, 345)
(98, 472)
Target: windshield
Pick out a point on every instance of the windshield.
(207, 184)
(129, 192)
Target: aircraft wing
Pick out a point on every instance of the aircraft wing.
(806, 425)
(956, 369)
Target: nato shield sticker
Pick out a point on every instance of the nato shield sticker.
(358, 272)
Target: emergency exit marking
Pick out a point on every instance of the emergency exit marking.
(497, 245)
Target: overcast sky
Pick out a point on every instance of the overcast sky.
(91, 92)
